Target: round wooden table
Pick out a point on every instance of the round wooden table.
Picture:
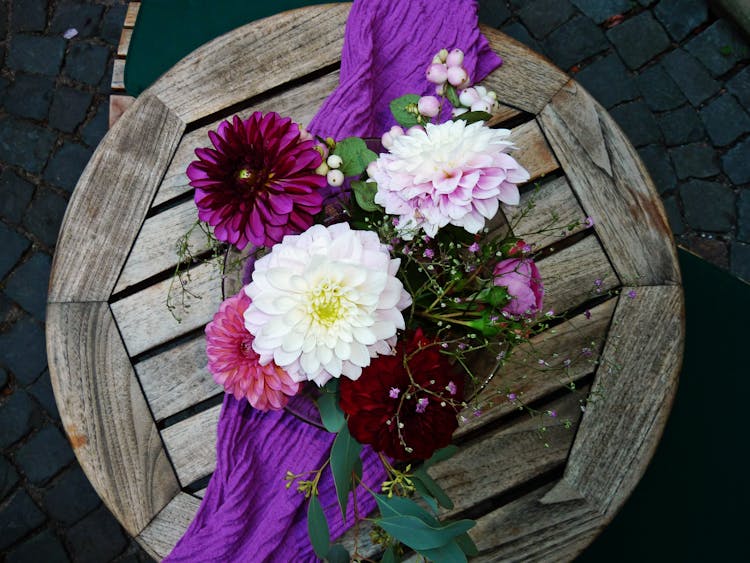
(141, 410)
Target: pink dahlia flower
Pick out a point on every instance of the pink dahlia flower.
(234, 364)
(452, 173)
(521, 278)
(258, 183)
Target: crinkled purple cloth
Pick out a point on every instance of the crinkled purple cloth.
(247, 514)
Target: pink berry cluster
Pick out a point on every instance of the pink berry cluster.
(448, 67)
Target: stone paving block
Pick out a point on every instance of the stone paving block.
(575, 41)
(27, 285)
(4, 377)
(83, 16)
(44, 547)
(97, 126)
(691, 76)
(44, 216)
(739, 85)
(696, 160)
(8, 477)
(674, 215)
(740, 260)
(18, 517)
(18, 416)
(28, 15)
(659, 167)
(639, 39)
(4, 83)
(719, 47)
(41, 390)
(681, 126)
(71, 497)
(44, 455)
(69, 108)
(86, 62)
(520, 33)
(608, 81)
(13, 245)
(713, 250)
(67, 164)
(735, 163)
(105, 84)
(660, 92)
(601, 10)
(29, 95)
(725, 120)
(638, 123)
(24, 144)
(22, 349)
(743, 211)
(680, 17)
(36, 54)
(6, 306)
(16, 195)
(96, 538)
(542, 16)
(111, 25)
(709, 206)
(4, 11)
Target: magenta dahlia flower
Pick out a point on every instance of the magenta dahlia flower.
(234, 364)
(259, 182)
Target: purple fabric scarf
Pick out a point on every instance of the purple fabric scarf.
(247, 513)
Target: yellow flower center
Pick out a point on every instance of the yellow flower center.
(327, 304)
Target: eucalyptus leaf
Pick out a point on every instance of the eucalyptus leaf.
(440, 455)
(449, 553)
(317, 527)
(355, 156)
(389, 556)
(364, 194)
(421, 476)
(426, 496)
(449, 92)
(467, 545)
(330, 411)
(404, 117)
(473, 116)
(419, 535)
(338, 554)
(344, 457)
(400, 506)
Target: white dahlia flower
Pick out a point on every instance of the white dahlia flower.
(452, 173)
(325, 302)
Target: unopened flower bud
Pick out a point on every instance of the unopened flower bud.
(436, 60)
(437, 73)
(443, 55)
(457, 76)
(335, 177)
(390, 136)
(455, 58)
(322, 169)
(440, 89)
(428, 106)
(334, 161)
(304, 134)
(469, 97)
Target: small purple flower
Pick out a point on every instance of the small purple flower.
(451, 387)
(422, 404)
(552, 413)
(587, 352)
(394, 221)
(512, 396)
(589, 222)
(632, 294)
(587, 314)
(461, 346)
(428, 253)
(394, 392)
(477, 413)
(474, 248)
(598, 285)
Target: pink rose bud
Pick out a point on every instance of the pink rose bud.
(457, 76)
(437, 73)
(428, 106)
(455, 58)
(524, 284)
(469, 97)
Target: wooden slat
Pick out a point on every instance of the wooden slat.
(266, 53)
(118, 75)
(191, 444)
(177, 378)
(145, 321)
(118, 105)
(164, 531)
(502, 114)
(110, 202)
(526, 79)
(523, 375)
(633, 393)
(105, 414)
(613, 187)
(132, 14)
(533, 152)
(124, 45)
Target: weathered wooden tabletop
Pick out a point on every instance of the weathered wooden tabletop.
(141, 410)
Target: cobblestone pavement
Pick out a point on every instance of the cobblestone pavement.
(672, 73)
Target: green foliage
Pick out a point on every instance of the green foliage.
(355, 156)
(328, 405)
(338, 554)
(450, 93)
(440, 455)
(344, 457)
(404, 109)
(473, 116)
(467, 545)
(421, 476)
(317, 527)
(451, 552)
(364, 195)
(389, 556)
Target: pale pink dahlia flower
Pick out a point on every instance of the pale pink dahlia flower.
(452, 173)
(325, 302)
(234, 364)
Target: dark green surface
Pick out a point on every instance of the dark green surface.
(167, 30)
(692, 503)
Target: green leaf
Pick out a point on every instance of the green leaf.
(467, 545)
(317, 527)
(389, 556)
(449, 553)
(419, 535)
(497, 296)
(364, 194)
(473, 116)
(425, 494)
(330, 411)
(398, 109)
(433, 488)
(400, 506)
(337, 554)
(344, 456)
(450, 93)
(440, 455)
(355, 156)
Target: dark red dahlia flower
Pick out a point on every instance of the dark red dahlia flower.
(259, 182)
(405, 417)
